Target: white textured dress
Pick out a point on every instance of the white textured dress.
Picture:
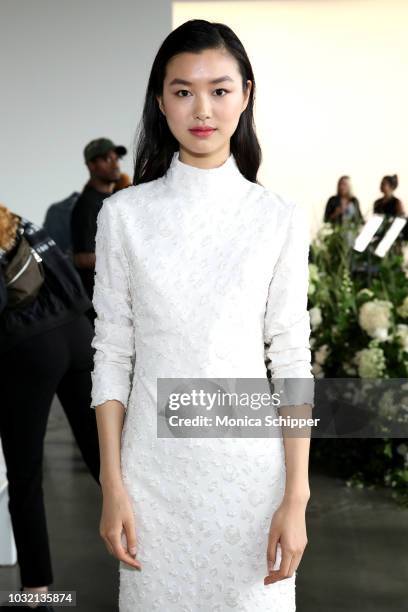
(195, 271)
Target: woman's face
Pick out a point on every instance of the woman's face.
(344, 187)
(203, 90)
(386, 188)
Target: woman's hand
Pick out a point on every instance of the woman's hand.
(117, 516)
(288, 527)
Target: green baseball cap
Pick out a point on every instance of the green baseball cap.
(100, 146)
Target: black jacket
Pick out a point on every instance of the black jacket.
(332, 204)
(61, 297)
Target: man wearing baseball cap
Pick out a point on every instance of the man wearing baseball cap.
(102, 159)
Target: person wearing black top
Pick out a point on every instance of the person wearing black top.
(57, 222)
(45, 349)
(344, 205)
(102, 159)
(389, 205)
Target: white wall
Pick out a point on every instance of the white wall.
(332, 91)
(70, 71)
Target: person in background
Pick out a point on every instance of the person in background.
(102, 159)
(389, 205)
(57, 222)
(344, 205)
(45, 349)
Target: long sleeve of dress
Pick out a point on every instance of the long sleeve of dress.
(287, 322)
(114, 334)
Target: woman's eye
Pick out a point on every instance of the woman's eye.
(181, 92)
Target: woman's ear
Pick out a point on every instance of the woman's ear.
(247, 94)
(160, 103)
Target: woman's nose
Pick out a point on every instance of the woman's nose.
(202, 110)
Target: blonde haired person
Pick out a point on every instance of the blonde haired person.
(45, 349)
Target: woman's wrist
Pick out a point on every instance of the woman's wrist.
(111, 482)
(298, 495)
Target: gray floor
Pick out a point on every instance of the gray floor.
(356, 559)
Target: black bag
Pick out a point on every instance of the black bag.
(24, 275)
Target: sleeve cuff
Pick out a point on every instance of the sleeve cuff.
(111, 382)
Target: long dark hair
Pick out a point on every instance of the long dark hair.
(155, 142)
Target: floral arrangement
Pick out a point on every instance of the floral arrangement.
(358, 306)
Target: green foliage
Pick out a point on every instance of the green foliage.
(358, 304)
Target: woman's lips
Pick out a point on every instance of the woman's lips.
(202, 133)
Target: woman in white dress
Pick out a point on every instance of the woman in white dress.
(201, 272)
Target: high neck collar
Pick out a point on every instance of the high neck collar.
(206, 180)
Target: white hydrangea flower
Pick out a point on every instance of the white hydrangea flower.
(315, 317)
(312, 342)
(322, 353)
(371, 362)
(375, 318)
(317, 370)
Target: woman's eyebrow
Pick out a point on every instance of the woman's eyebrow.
(213, 82)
